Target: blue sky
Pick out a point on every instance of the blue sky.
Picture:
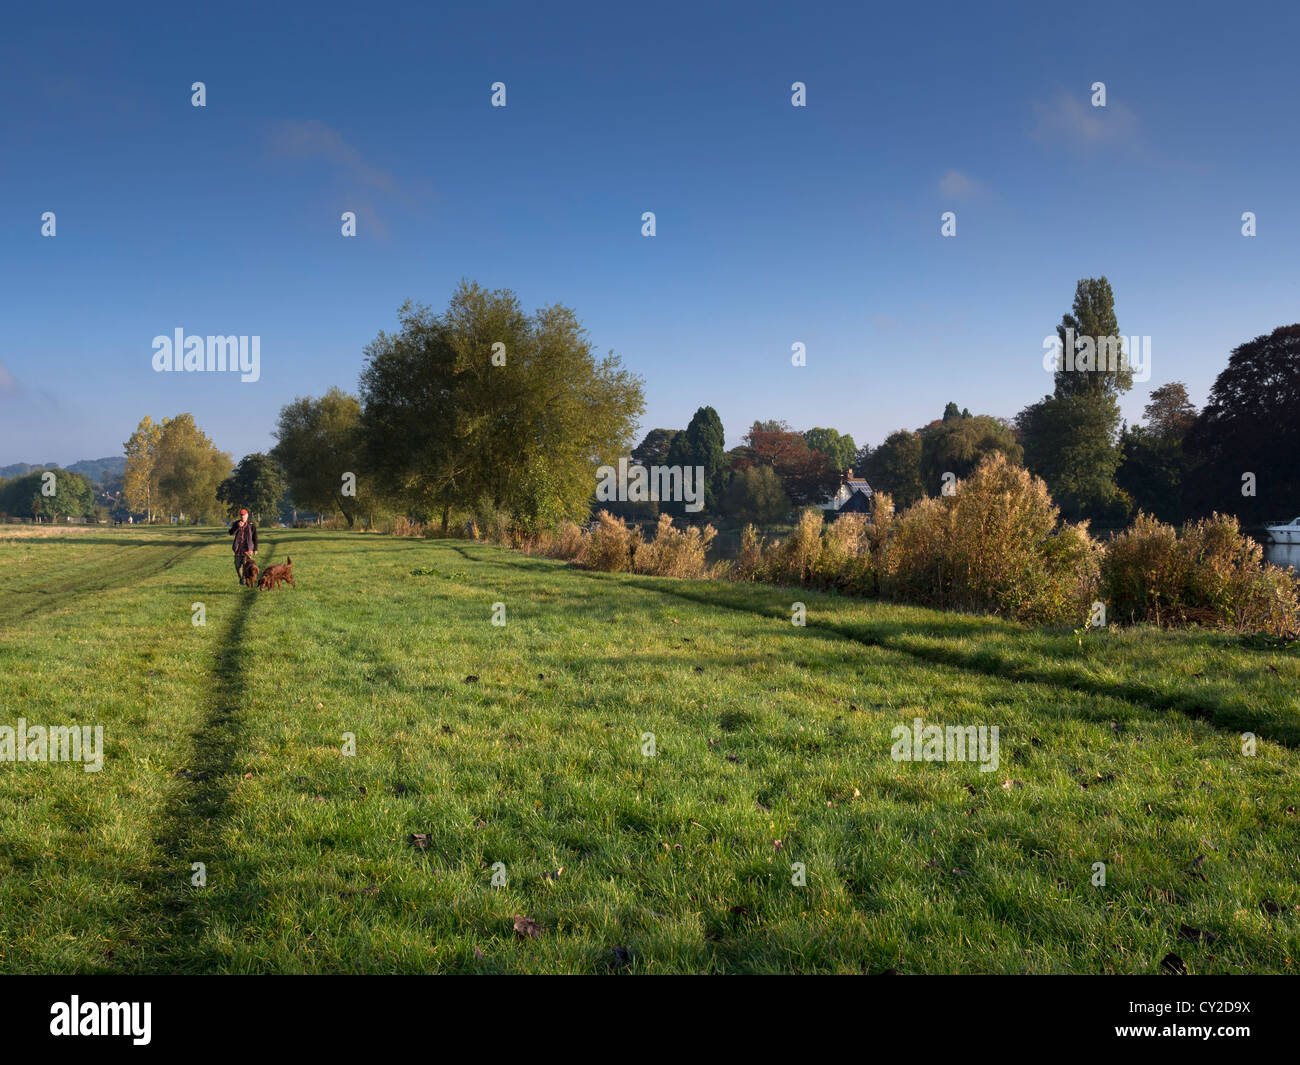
(775, 224)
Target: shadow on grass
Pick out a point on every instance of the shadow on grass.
(179, 916)
(893, 636)
(901, 636)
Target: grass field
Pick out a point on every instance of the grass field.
(522, 745)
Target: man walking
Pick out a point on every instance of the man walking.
(245, 534)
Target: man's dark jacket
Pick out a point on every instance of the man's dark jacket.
(245, 538)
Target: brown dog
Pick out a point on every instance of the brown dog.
(273, 575)
(250, 571)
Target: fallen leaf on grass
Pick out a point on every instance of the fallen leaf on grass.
(526, 927)
(420, 840)
(471, 679)
(1172, 963)
(1196, 935)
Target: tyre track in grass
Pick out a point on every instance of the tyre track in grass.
(69, 584)
(175, 914)
(1228, 719)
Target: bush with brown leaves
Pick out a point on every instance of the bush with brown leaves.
(1212, 574)
(675, 552)
(610, 546)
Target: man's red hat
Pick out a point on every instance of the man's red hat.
(243, 512)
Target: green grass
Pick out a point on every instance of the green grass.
(223, 747)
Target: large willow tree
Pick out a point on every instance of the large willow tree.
(484, 404)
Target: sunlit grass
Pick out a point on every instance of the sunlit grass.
(224, 746)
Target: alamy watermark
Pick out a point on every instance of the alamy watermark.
(1084, 353)
(651, 484)
(195, 354)
(53, 743)
(954, 743)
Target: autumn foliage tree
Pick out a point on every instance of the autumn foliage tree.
(809, 477)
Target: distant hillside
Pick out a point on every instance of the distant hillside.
(95, 470)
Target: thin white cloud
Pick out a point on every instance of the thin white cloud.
(954, 185)
(8, 386)
(314, 141)
(1071, 118)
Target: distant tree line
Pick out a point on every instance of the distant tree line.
(485, 412)
(1236, 456)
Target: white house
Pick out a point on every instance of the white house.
(853, 497)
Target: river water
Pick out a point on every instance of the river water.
(1283, 555)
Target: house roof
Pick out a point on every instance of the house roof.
(858, 485)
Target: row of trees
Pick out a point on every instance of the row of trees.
(1236, 456)
(486, 409)
(773, 471)
(48, 495)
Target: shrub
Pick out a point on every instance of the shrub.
(567, 542)
(749, 564)
(1213, 574)
(403, 526)
(843, 560)
(791, 560)
(1139, 574)
(674, 552)
(610, 546)
(993, 545)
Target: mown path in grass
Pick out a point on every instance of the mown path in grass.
(62, 572)
(517, 749)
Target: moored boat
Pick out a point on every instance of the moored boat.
(1285, 534)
